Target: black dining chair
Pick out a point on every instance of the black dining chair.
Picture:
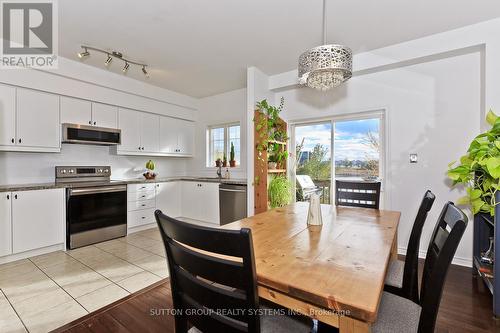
(399, 314)
(402, 276)
(357, 193)
(213, 280)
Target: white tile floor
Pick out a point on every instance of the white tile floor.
(41, 293)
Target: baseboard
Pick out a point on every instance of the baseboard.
(141, 228)
(467, 262)
(31, 253)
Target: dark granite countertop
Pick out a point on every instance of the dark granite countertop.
(46, 186)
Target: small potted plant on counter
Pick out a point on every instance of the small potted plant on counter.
(224, 161)
(218, 163)
(232, 161)
(150, 166)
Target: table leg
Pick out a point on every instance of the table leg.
(351, 325)
(394, 249)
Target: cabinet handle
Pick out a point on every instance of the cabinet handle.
(8, 197)
(143, 196)
(143, 217)
(12, 140)
(15, 196)
(95, 122)
(19, 140)
(90, 122)
(139, 148)
(143, 205)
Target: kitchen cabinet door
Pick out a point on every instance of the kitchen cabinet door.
(186, 137)
(190, 200)
(38, 123)
(5, 224)
(208, 203)
(38, 219)
(7, 115)
(169, 129)
(129, 121)
(104, 115)
(168, 198)
(75, 111)
(150, 132)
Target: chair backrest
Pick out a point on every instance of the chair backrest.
(305, 181)
(442, 247)
(212, 292)
(410, 275)
(357, 193)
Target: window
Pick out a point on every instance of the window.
(343, 147)
(219, 139)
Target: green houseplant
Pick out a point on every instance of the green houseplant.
(280, 191)
(479, 169)
(232, 161)
(224, 161)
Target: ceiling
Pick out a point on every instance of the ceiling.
(201, 48)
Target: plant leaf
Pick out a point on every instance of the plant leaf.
(491, 117)
(493, 167)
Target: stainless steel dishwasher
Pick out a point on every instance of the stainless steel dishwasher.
(232, 203)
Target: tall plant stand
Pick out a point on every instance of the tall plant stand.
(484, 228)
(261, 169)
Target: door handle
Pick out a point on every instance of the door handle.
(231, 190)
(15, 196)
(8, 197)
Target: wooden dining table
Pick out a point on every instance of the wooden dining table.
(334, 272)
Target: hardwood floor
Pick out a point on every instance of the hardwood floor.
(465, 307)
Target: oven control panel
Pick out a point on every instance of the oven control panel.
(82, 172)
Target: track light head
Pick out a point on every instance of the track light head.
(125, 68)
(145, 71)
(83, 54)
(108, 61)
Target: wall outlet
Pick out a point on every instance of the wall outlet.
(413, 158)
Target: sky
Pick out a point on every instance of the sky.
(349, 138)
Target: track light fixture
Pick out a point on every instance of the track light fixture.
(83, 54)
(108, 61)
(111, 55)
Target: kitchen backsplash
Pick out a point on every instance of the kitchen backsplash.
(19, 168)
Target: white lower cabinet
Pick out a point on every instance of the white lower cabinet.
(168, 198)
(5, 224)
(200, 201)
(37, 218)
(141, 204)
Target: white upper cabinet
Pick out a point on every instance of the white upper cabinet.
(7, 115)
(168, 135)
(104, 115)
(176, 136)
(150, 132)
(75, 111)
(186, 137)
(38, 124)
(129, 123)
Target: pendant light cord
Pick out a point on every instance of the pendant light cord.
(324, 22)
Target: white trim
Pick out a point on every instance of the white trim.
(138, 228)
(460, 261)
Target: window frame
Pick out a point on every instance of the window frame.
(211, 164)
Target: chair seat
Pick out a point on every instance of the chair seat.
(395, 272)
(397, 314)
(271, 323)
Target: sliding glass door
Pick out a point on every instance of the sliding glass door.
(352, 146)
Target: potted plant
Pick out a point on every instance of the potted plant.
(218, 162)
(479, 170)
(280, 191)
(150, 166)
(232, 161)
(224, 161)
(272, 161)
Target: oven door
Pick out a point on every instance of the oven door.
(96, 214)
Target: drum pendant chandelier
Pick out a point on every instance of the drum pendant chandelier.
(326, 66)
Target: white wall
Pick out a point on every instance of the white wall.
(432, 109)
(21, 168)
(224, 108)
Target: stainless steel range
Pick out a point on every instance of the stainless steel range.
(96, 208)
